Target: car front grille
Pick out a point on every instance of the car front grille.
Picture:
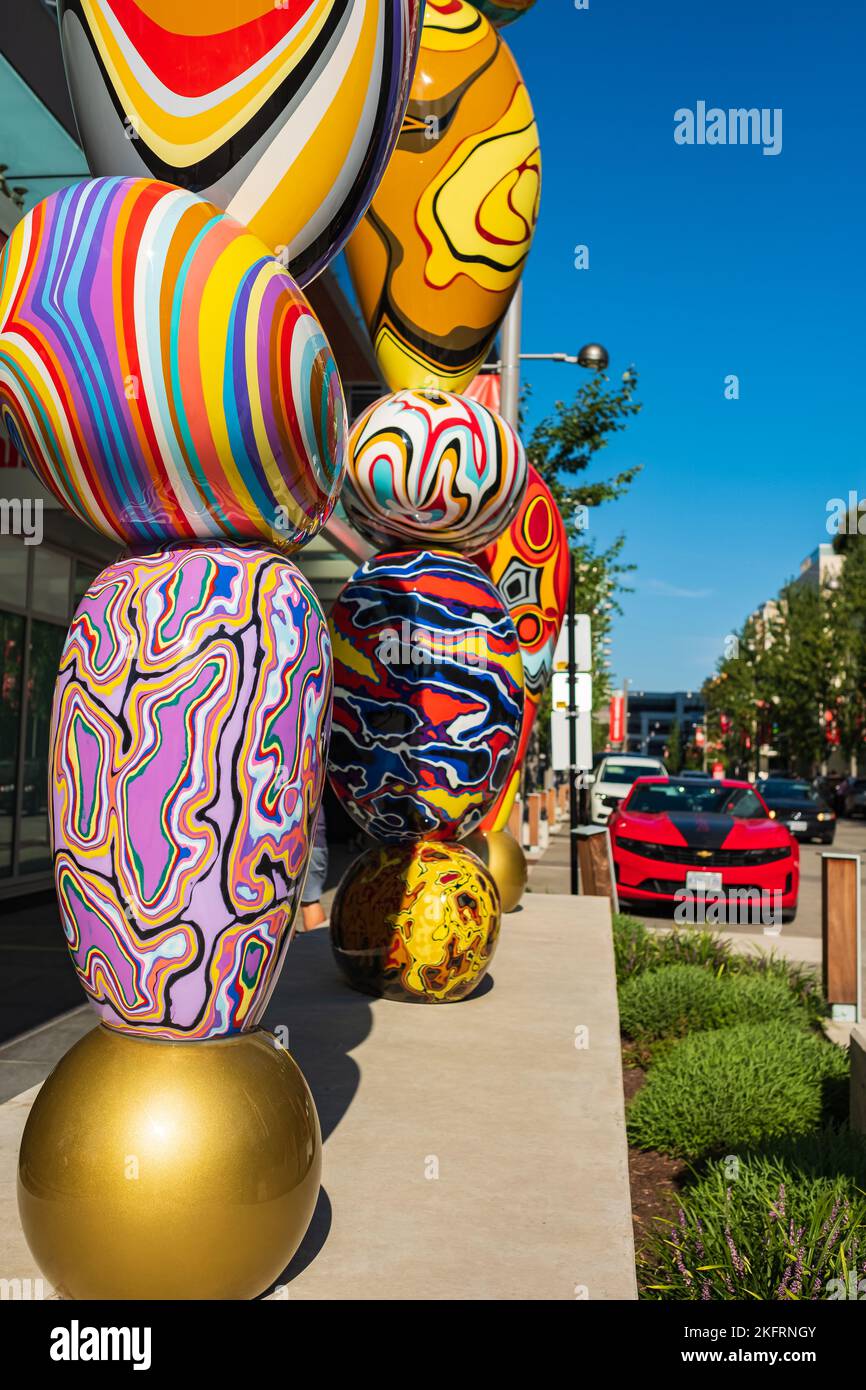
(673, 887)
(696, 858)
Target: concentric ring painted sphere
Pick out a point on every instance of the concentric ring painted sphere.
(416, 923)
(428, 695)
(282, 112)
(162, 374)
(430, 467)
(529, 564)
(190, 730)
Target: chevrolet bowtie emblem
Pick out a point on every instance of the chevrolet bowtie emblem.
(705, 853)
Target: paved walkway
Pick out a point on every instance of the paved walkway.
(472, 1151)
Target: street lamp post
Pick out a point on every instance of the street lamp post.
(594, 358)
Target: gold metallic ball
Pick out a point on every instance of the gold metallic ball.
(169, 1170)
(501, 854)
(417, 923)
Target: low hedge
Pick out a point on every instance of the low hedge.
(679, 999)
(736, 1087)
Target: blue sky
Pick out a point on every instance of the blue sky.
(704, 261)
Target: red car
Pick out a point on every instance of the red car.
(676, 836)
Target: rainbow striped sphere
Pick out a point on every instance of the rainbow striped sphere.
(162, 373)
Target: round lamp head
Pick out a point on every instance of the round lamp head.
(593, 356)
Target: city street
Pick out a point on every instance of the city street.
(850, 839)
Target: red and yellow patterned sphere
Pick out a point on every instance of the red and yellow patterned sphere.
(417, 923)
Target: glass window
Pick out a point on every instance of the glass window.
(11, 654)
(84, 577)
(51, 577)
(46, 646)
(13, 570)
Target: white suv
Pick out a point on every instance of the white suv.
(613, 778)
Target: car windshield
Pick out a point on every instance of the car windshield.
(626, 772)
(787, 791)
(707, 799)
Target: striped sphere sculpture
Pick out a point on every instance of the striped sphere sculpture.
(162, 373)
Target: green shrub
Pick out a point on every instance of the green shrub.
(634, 947)
(776, 1224)
(637, 950)
(680, 999)
(734, 1088)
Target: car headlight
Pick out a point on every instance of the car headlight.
(772, 815)
(826, 815)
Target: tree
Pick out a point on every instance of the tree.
(563, 447)
(848, 697)
(776, 681)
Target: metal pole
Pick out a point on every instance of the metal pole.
(509, 386)
(625, 716)
(573, 810)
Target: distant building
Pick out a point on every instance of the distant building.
(822, 568)
(652, 715)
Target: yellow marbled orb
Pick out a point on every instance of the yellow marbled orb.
(417, 923)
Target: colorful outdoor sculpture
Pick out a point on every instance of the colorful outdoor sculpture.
(529, 565)
(165, 376)
(502, 12)
(417, 923)
(437, 258)
(162, 374)
(427, 695)
(190, 741)
(429, 467)
(282, 114)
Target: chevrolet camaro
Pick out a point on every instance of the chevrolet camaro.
(673, 837)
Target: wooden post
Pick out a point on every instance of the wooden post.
(596, 864)
(550, 798)
(840, 933)
(533, 802)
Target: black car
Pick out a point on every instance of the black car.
(854, 797)
(798, 806)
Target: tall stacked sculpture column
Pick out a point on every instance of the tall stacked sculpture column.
(164, 375)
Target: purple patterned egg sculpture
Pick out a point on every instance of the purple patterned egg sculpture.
(190, 728)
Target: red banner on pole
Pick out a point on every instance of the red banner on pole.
(617, 704)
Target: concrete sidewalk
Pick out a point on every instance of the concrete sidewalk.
(472, 1151)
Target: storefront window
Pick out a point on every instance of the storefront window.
(11, 658)
(46, 647)
(51, 573)
(36, 588)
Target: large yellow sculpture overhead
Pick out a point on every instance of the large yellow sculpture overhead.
(438, 256)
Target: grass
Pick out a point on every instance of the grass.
(736, 1087)
(782, 1223)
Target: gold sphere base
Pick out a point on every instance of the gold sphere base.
(502, 856)
(163, 1170)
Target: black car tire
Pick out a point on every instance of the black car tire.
(789, 914)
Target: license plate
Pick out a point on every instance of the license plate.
(703, 883)
(797, 825)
